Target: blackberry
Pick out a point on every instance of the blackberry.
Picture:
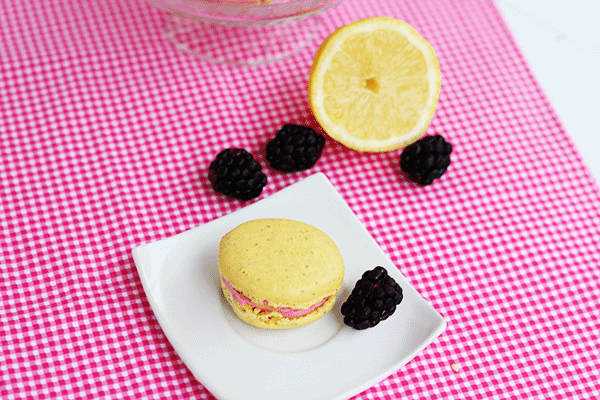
(236, 173)
(295, 148)
(373, 299)
(426, 159)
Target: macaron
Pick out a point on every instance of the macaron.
(279, 273)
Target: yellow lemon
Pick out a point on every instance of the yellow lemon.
(374, 84)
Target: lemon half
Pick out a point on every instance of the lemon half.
(374, 84)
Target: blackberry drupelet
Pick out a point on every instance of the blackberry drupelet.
(426, 159)
(236, 173)
(295, 148)
(373, 299)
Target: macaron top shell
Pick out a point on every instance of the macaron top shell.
(282, 262)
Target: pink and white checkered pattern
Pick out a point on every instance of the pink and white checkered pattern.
(107, 132)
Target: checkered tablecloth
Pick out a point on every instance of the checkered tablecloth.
(107, 132)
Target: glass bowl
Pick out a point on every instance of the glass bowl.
(242, 32)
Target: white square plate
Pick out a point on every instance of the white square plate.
(322, 360)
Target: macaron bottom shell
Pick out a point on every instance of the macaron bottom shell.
(273, 319)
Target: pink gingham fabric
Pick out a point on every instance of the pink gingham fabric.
(107, 133)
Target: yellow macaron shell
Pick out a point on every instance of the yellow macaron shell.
(272, 319)
(284, 262)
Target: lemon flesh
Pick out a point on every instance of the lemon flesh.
(374, 85)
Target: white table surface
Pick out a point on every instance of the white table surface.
(561, 42)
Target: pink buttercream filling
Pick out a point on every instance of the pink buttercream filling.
(286, 312)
